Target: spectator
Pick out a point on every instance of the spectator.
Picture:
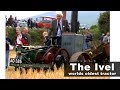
(10, 21)
(18, 37)
(31, 23)
(106, 38)
(89, 38)
(8, 42)
(46, 39)
(28, 22)
(15, 22)
(26, 38)
(101, 38)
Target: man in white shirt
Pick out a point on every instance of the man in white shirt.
(59, 26)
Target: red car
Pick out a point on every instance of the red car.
(45, 22)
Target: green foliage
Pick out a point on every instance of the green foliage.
(93, 27)
(36, 35)
(95, 31)
(96, 34)
(104, 22)
(11, 34)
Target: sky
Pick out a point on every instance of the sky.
(23, 14)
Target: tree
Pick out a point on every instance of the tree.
(104, 22)
(93, 26)
(95, 31)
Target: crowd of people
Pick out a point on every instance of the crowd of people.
(14, 22)
(104, 39)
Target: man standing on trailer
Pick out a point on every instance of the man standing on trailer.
(59, 25)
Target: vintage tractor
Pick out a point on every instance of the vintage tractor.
(74, 44)
(40, 56)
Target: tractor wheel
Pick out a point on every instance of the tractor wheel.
(59, 61)
(61, 57)
(80, 57)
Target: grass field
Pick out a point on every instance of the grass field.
(57, 74)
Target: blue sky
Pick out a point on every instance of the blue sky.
(23, 14)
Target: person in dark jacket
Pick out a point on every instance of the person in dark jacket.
(59, 25)
(10, 21)
(8, 42)
(88, 39)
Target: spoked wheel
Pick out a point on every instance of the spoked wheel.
(80, 57)
(84, 57)
(61, 57)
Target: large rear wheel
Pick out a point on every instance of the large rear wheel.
(81, 57)
(61, 58)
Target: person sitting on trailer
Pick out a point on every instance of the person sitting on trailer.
(21, 39)
(46, 39)
(26, 38)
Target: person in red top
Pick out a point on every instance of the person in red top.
(22, 37)
(26, 38)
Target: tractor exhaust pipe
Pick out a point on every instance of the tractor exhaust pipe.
(74, 20)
